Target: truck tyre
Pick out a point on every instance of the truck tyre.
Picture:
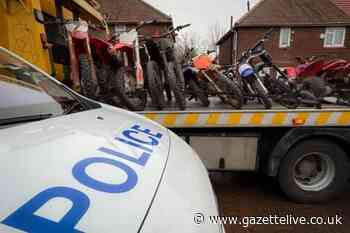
(88, 86)
(234, 96)
(124, 84)
(155, 85)
(176, 86)
(198, 92)
(314, 171)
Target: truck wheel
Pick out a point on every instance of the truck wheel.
(88, 86)
(314, 171)
(155, 85)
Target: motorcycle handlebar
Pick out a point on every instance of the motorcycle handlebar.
(182, 27)
(259, 43)
(56, 21)
(268, 33)
(143, 23)
(178, 28)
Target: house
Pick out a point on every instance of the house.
(303, 28)
(344, 5)
(123, 15)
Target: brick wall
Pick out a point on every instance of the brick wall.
(148, 30)
(305, 41)
(225, 52)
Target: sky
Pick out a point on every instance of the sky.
(203, 13)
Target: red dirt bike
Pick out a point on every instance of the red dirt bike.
(129, 81)
(317, 66)
(82, 77)
(328, 79)
(82, 68)
(106, 68)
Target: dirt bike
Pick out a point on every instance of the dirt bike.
(106, 66)
(267, 88)
(163, 70)
(328, 78)
(83, 73)
(82, 77)
(193, 90)
(209, 81)
(130, 81)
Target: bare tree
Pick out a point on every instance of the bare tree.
(185, 43)
(215, 32)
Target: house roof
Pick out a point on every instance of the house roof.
(270, 13)
(131, 11)
(344, 5)
(295, 13)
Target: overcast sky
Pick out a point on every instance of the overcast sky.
(202, 13)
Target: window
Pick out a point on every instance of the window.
(119, 28)
(285, 35)
(334, 37)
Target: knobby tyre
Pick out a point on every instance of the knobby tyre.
(155, 85)
(124, 84)
(233, 93)
(88, 86)
(176, 86)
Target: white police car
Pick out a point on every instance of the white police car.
(68, 164)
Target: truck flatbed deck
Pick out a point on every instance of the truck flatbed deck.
(291, 145)
(221, 115)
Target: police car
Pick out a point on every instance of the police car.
(69, 164)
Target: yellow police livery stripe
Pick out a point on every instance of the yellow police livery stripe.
(245, 118)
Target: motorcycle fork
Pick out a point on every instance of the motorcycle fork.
(250, 89)
(91, 60)
(261, 84)
(140, 81)
(165, 64)
(74, 67)
(212, 82)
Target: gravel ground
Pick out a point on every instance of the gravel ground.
(249, 194)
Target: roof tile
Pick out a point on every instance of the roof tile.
(344, 5)
(294, 13)
(131, 11)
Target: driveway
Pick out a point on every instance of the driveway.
(248, 194)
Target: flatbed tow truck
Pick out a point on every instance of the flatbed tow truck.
(306, 149)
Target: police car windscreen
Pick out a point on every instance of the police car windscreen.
(25, 91)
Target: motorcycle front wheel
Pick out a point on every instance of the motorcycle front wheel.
(124, 84)
(155, 85)
(198, 92)
(262, 93)
(233, 94)
(176, 86)
(88, 86)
